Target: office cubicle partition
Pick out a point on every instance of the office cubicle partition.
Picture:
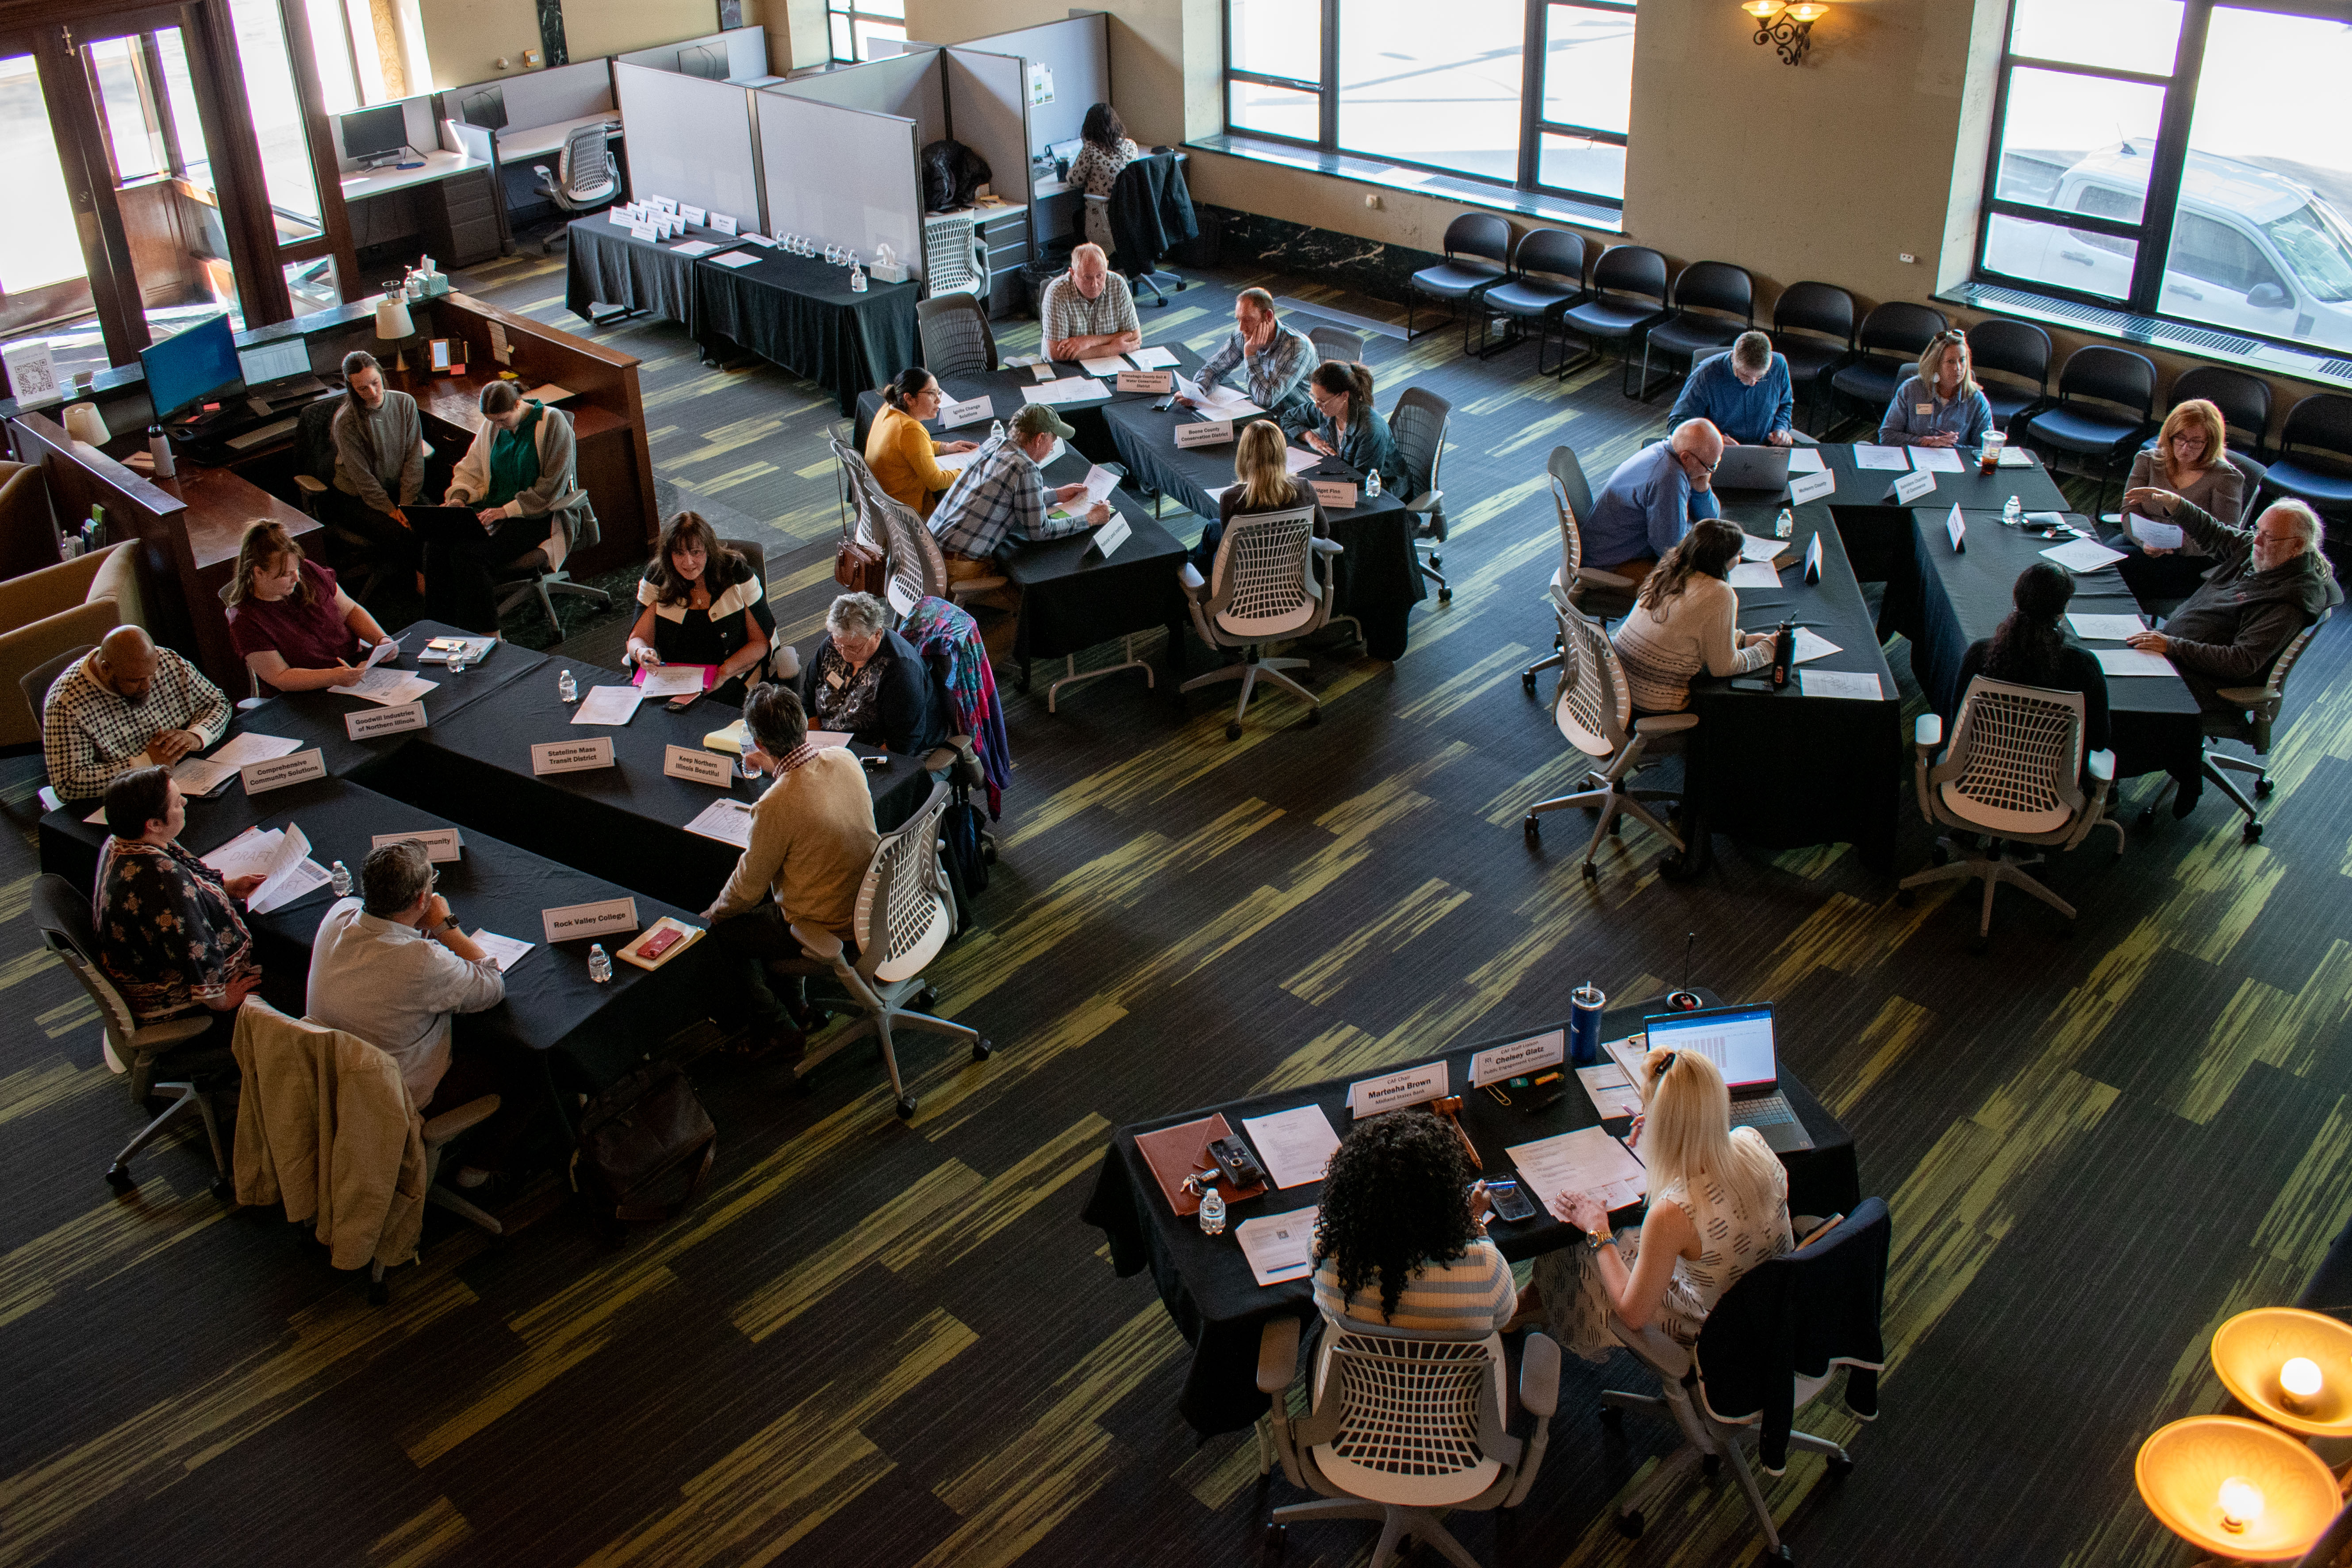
(985, 94)
(843, 176)
(910, 86)
(1076, 53)
(535, 99)
(418, 120)
(738, 54)
(692, 140)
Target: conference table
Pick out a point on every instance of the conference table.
(607, 265)
(1206, 1283)
(800, 312)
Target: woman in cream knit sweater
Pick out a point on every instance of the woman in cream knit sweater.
(1686, 621)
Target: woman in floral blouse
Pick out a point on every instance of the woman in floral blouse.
(169, 933)
(1097, 166)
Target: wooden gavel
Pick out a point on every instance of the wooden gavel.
(1449, 1108)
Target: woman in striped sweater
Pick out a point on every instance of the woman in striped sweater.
(1401, 1238)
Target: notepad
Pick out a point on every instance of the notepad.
(2082, 555)
(1937, 460)
(2132, 661)
(1895, 459)
(1751, 548)
(732, 260)
(726, 819)
(1754, 574)
(1152, 358)
(2106, 628)
(1837, 683)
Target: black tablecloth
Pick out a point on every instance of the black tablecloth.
(1221, 1310)
(798, 312)
(1962, 597)
(1071, 598)
(610, 266)
(1878, 536)
(316, 718)
(599, 1031)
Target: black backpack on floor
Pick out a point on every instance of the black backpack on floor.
(645, 1145)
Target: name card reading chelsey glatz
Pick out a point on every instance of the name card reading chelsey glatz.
(577, 921)
(1517, 1057)
(1413, 1086)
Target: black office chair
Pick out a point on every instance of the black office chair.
(2244, 402)
(2314, 462)
(1628, 294)
(353, 553)
(1716, 286)
(1149, 213)
(1887, 346)
(1823, 314)
(1477, 248)
(2106, 408)
(2007, 348)
(956, 339)
(36, 683)
(1546, 277)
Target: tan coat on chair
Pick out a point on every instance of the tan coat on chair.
(325, 1126)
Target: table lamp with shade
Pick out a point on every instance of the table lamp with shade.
(84, 423)
(394, 327)
(2289, 1367)
(2243, 1491)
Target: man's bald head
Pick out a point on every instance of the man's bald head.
(1697, 439)
(125, 661)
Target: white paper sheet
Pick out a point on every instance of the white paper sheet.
(2082, 555)
(1751, 548)
(1811, 647)
(1152, 358)
(1754, 574)
(1294, 1145)
(1610, 1090)
(2132, 661)
(667, 681)
(1585, 1160)
(1895, 459)
(1937, 460)
(827, 740)
(957, 462)
(1805, 460)
(2105, 628)
(692, 247)
(248, 852)
(1840, 683)
(725, 819)
(2152, 534)
(1068, 390)
(1223, 401)
(385, 687)
(609, 705)
(504, 950)
(1296, 460)
(202, 775)
(1107, 364)
(196, 775)
(732, 260)
(289, 873)
(2016, 457)
(1280, 1246)
(388, 648)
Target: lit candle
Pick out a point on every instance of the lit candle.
(2242, 1504)
(1808, 12)
(2299, 1382)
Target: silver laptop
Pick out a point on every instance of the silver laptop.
(1738, 1041)
(1758, 467)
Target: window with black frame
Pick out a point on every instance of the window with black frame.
(1530, 95)
(2181, 158)
(854, 26)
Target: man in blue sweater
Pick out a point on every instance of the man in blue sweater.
(1744, 393)
(1651, 499)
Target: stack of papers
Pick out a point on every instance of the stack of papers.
(2132, 661)
(667, 681)
(1292, 1145)
(202, 775)
(1837, 683)
(1109, 364)
(1099, 482)
(1223, 403)
(609, 705)
(1295, 459)
(280, 856)
(693, 248)
(1152, 358)
(2084, 555)
(438, 652)
(1585, 1160)
(1754, 548)
(2106, 628)
(2151, 534)
(1895, 459)
(733, 258)
(387, 686)
(1069, 389)
(1610, 1089)
(957, 462)
(1754, 574)
(504, 950)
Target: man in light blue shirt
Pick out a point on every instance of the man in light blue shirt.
(1744, 392)
(1651, 499)
(1274, 361)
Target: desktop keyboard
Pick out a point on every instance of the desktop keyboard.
(1770, 1110)
(259, 437)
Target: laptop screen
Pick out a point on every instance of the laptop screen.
(1737, 1039)
(280, 360)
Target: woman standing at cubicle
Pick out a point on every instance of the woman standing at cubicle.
(522, 473)
(900, 452)
(1096, 168)
(379, 463)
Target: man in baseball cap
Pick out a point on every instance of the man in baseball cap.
(1004, 495)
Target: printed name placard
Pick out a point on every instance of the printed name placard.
(1146, 381)
(442, 845)
(1956, 526)
(647, 232)
(1111, 535)
(279, 772)
(1813, 560)
(968, 412)
(722, 223)
(702, 767)
(692, 214)
(1520, 1057)
(1812, 487)
(1335, 492)
(602, 918)
(1413, 1086)
(1205, 433)
(572, 756)
(389, 721)
(1912, 486)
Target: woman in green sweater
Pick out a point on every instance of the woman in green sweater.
(521, 476)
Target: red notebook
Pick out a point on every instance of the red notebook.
(1175, 1152)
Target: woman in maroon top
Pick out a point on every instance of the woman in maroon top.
(297, 630)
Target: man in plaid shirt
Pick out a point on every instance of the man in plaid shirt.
(1004, 495)
(1274, 360)
(128, 704)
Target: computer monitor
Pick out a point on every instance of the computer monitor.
(703, 61)
(486, 109)
(280, 361)
(375, 132)
(1737, 1039)
(196, 363)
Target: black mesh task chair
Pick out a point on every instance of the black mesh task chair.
(1419, 422)
(1887, 346)
(586, 179)
(956, 339)
(1546, 277)
(2314, 460)
(353, 556)
(1628, 293)
(1714, 303)
(2106, 408)
(1812, 329)
(1477, 250)
(1336, 342)
(2001, 347)
(2244, 402)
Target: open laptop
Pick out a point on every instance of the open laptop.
(280, 371)
(1758, 471)
(444, 524)
(1738, 1041)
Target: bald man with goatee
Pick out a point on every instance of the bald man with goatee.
(127, 705)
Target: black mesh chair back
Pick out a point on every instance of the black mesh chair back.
(1899, 329)
(956, 336)
(1562, 466)
(2244, 401)
(1336, 342)
(2014, 348)
(1557, 251)
(1823, 308)
(2110, 376)
(1716, 286)
(1631, 270)
(314, 438)
(37, 680)
(1418, 423)
(2320, 423)
(1481, 235)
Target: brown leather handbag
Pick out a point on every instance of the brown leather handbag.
(858, 567)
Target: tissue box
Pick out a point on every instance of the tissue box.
(887, 271)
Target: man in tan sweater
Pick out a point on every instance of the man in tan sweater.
(812, 837)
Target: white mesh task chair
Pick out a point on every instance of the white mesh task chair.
(1419, 425)
(1594, 709)
(1336, 342)
(1262, 589)
(905, 915)
(144, 1054)
(540, 571)
(2010, 777)
(1404, 1428)
(1604, 595)
(857, 482)
(587, 178)
(2251, 726)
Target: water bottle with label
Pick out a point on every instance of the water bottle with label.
(1372, 484)
(566, 688)
(1785, 525)
(1213, 1208)
(338, 877)
(996, 430)
(856, 278)
(600, 968)
(2011, 511)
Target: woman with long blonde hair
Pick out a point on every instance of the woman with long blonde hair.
(2190, 458)
(1263, 482)
(297, 630)
(1940, 404)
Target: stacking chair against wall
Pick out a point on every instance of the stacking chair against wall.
(2012, 777)
(1333, 342)
(146, 1056)
(2244, 402)
(905, 915)
(1419, 422)
(1729, 296)
(2106, 408)
(1812, 329)
(1594, 709)
(956, 339)
(2251, 727)
(1404, 1428)
(1263, 588)
(2314, 459)
(2010, 349)
(1887, 346)
(1806, 1313)
(1603, 594)
(1546, 278)
(1477, 247)
(1628, 293)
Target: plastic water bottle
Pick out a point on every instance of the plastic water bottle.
(1212, 1209)
(338, 877)
(1372, 484)
(600, 968)
(996, 430)
(457, 661)
(856, 278)
(2011, 511)
(1785, 526)
(566, 688)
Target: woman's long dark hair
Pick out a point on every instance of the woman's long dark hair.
(1396, 1197)
(356, 412)
(2025, 648)
(721, 567)
(1352, 382)
(1103, 127)
(910, 384)
(1707, 550)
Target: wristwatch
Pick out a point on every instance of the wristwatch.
(1595, 1239)
(449, 924)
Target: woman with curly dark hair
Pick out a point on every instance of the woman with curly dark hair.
(2029, 648)
(1402, 1239)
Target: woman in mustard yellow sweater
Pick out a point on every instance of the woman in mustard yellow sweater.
(901, 452)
